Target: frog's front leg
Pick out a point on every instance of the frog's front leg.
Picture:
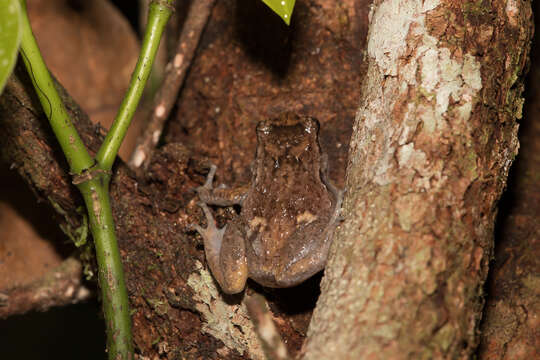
(225, 252)
(220, 196)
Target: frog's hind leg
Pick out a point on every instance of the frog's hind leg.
(304, 267)
(225, 254)
(313, 258)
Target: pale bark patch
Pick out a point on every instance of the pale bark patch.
(512, 12)
(229, 323)
(390, 24)
(444, 84)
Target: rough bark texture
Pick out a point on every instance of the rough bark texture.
(433, 141)
(511, 324)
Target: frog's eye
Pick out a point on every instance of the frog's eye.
(311, 125)
(264, 128)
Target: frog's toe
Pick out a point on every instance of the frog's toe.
(210, 177)
(195, 227)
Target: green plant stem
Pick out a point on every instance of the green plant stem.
(158, 15)
(110, 272)
(76, 154)
(93, 178)
(93, 185)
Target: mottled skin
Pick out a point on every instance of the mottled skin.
(288, 216)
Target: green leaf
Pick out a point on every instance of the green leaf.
(283, 8)
(10, 37)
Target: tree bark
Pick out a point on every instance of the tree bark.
(434, 138)
(510, 327)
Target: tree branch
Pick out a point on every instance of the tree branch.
(434, 138)
(61, 286)
(175, 74)
(509, 328)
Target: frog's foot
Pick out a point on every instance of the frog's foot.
(336, 193)
(205, 191)
(212, 236)
(336, 216)
(210, 177)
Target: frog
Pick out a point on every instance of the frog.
(288, 212)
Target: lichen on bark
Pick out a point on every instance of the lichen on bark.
(430, 152)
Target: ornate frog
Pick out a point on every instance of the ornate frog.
(288, 214)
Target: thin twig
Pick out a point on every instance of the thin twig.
(175, 74)
(271, 341)
(158, 14)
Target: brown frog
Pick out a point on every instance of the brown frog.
(288, 214)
